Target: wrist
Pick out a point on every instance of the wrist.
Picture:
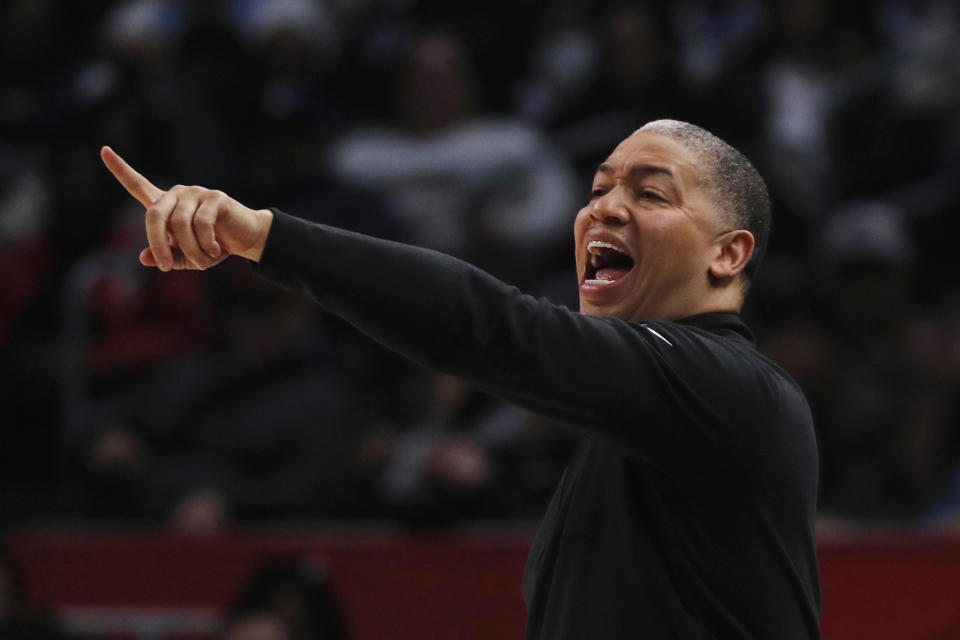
(263, 221)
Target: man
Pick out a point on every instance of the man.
(688, 510)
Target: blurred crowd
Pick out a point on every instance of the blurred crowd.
(201, 400)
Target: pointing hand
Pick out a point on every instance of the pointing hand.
(191, 227)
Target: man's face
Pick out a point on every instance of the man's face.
(646, 239)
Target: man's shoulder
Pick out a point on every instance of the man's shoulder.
(720, 347)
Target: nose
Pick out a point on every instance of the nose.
(610, 208)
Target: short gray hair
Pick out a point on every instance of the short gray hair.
(740, 192)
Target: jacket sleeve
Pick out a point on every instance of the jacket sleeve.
(671, 394)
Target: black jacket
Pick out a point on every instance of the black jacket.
(687, 512)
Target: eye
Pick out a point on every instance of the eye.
(597, 192)
(647, 194)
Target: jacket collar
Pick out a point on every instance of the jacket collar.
(720, 322)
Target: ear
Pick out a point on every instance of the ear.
(733, 251)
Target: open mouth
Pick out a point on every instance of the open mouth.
(607, 263)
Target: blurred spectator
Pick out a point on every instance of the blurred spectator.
(593, 81)
(146, 28)
(27, 359)
(466, 454)
(213, 106)
(924, 37)
(24, 243)
(260, 428)
(716, 35)
(257, 625)
(289, 25)
(936, 341)
(132, 320)
(886, 432)
(286, 600)
(801, 93)
(489, 190)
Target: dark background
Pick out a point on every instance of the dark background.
(203, 400)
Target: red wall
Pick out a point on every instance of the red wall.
(896, 588)
(464, 586)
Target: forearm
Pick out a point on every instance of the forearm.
(430, 307)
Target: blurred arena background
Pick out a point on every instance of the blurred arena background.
(193, 455)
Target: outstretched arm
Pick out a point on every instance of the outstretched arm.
(191, 227)
(667, 393)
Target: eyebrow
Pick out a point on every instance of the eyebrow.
(639, 168)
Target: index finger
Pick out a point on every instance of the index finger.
(135, 184)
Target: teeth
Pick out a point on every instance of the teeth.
(599, 244)
(597, 281)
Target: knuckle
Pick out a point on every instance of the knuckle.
(180, 220)
(210, 211)
(216, 198)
